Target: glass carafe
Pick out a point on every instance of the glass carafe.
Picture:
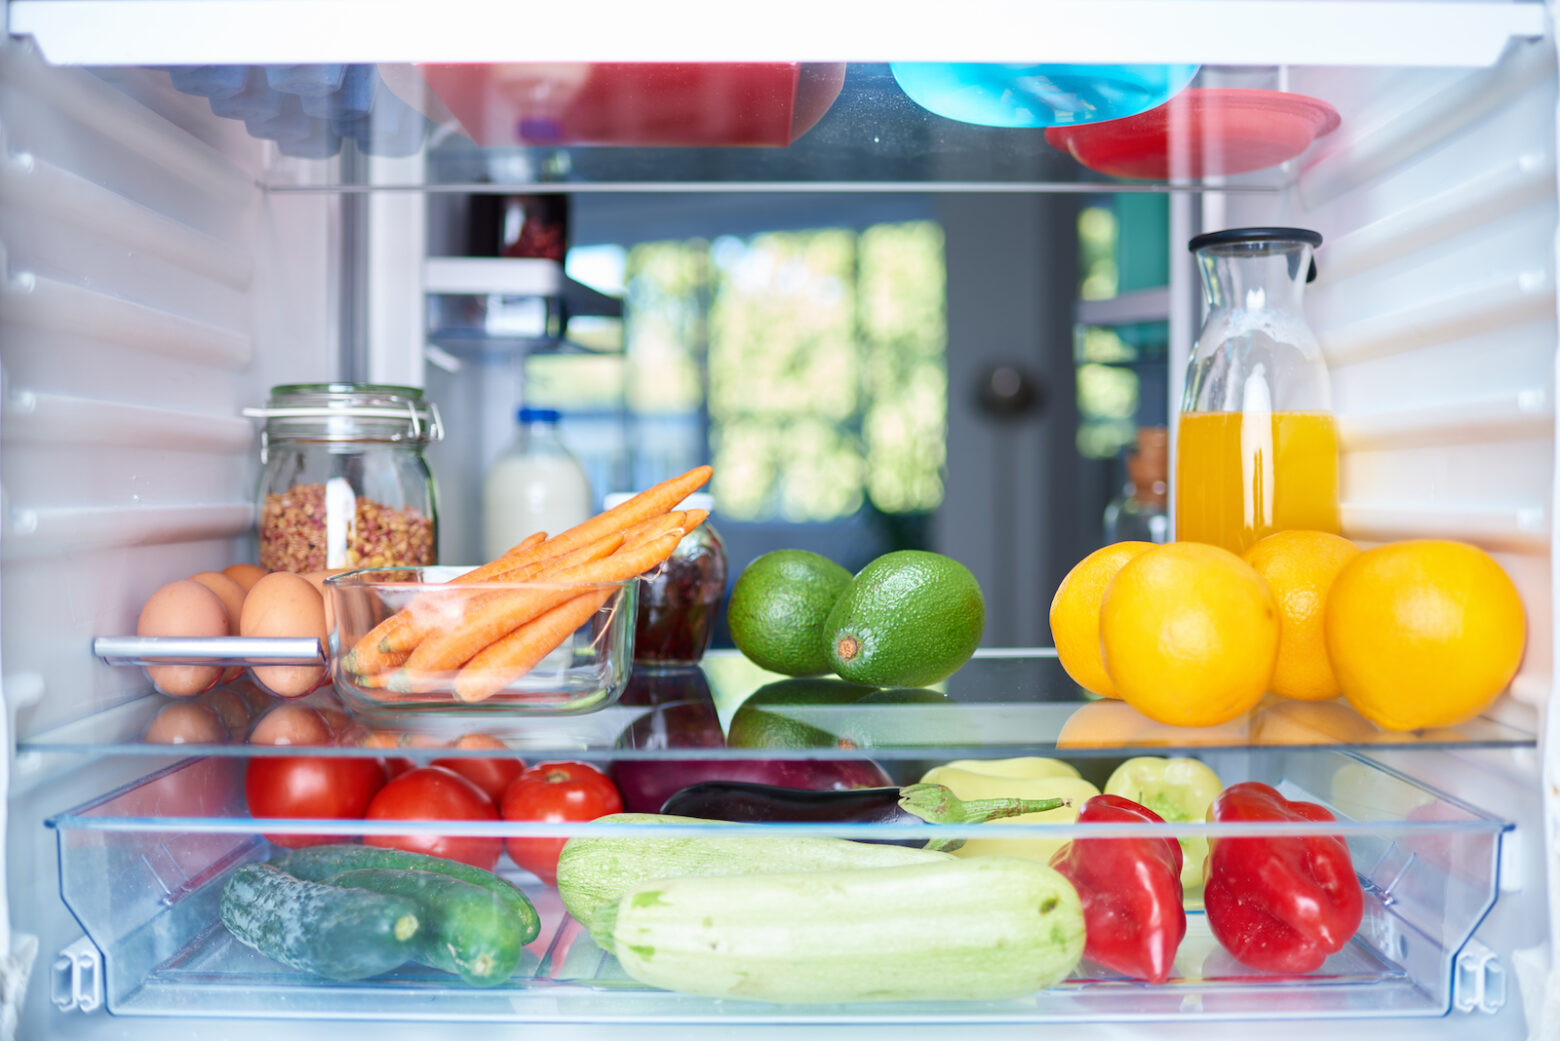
(1257, 443)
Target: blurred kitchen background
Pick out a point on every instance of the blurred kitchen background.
(960, 372)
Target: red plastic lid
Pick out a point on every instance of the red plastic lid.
(1200, 133)
(666, 104)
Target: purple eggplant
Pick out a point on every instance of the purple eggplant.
(694, 724)
(912, 804)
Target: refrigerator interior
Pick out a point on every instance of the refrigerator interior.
(164, 268)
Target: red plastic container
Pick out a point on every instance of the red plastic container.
(1200, 133)
(637, 103)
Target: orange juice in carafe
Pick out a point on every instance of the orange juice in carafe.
(1241, 476)
(1256, 443)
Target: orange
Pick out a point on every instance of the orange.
(1075, 615)
(1424, 633)
(1190, 634)
(1286, 722)
(1299, 567)
(1115, 724)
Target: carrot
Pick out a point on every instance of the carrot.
(405, 629)
(507, 659)
(378, 676)
(537, 570)
(692, 519)
(502, 613)
(388, 636)
(651, 502)
(433, 615)
(523, 552)
(525, 545)
(653, 528)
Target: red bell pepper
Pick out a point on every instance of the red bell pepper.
(1130, 890)
(1279, 903)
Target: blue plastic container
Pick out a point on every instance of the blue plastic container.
(255, 100)
(208, 81)
(353, 96)
(1039, 95)
(305, 80)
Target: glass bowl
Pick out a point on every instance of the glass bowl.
(406, 641)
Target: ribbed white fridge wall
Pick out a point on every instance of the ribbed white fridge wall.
(1435, 306)
(151, 291)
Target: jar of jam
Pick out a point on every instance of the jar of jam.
(679, 602)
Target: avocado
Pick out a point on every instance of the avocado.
(752, 726)
(908, 619)
(778, 607)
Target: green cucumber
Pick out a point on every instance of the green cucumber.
(595, 872)
(466, 929)
(320, 863)
(338, 933)
(986, 929)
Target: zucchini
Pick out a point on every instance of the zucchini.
(466, 930)
(985, 929)
(594, 873)
(338, 933)
(321, 863)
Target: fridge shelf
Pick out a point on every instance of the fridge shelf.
(1322, 32)
(1003, 702)
(516, 277)
(871, 138)
(1428, 865)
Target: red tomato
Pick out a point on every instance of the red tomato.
(311, 786)
(555, 792)
(493, 776)
(434, 793)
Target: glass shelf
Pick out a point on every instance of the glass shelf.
(1315, 32)
(1001, 703)
(401, 136)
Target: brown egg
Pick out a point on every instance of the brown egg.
(246, 575)
(291, 725)
(258, 700)
(285, 604)
(380, 739)
(338, 721)
(186, 723)
(481, 741)
(230, 707)
(317, 580)
(183, 608)
(232, 595)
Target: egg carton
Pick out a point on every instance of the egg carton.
(309, 110)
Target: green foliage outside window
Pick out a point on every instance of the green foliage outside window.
(824, 353)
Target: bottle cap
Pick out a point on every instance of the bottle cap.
(696, 501)
(537, 415)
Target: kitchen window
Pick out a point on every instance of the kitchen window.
(808, 365)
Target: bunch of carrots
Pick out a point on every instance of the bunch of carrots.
(487, 640)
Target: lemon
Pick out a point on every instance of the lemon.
(1190, 634)
(1075, 615)
(1299, 567)
(1424, 633)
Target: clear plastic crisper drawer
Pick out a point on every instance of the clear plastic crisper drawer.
(143, 870)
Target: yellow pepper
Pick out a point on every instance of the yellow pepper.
(1177, 790)
(1030, 777)
(1031, 766)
